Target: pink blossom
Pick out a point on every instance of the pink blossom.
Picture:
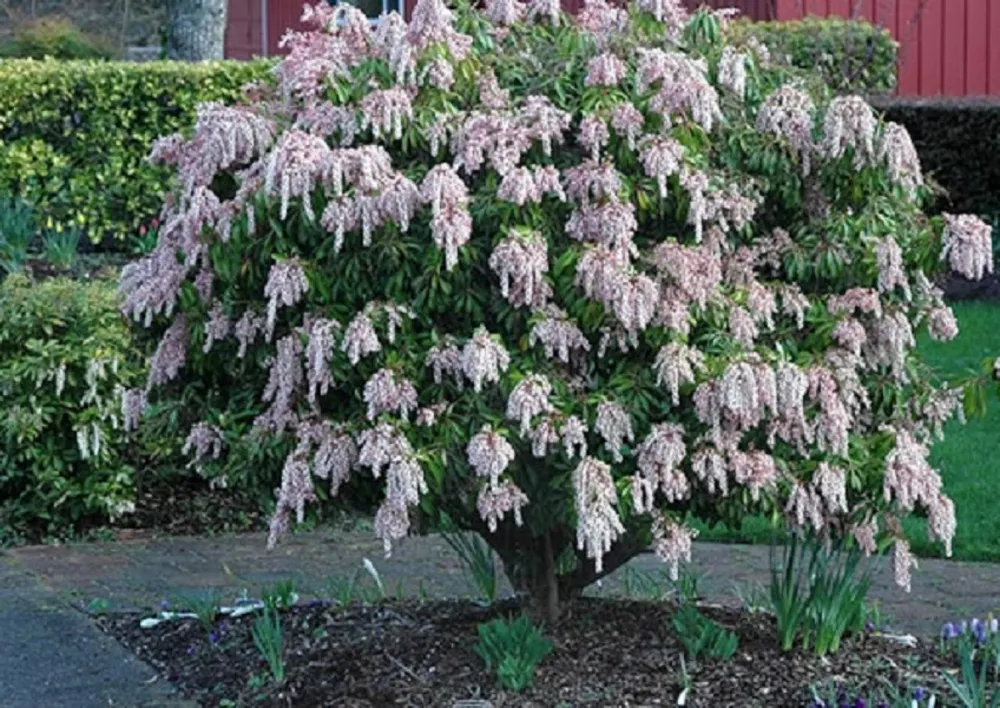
(968, 245)
(483, 359)
(849, 123)
(598, 525)
(787, 114)
(521, 262)
(661, 158)
(658, 460)
(202, 441)
(675, 365)
(387, 392)
(614, 425)
(170, 355)
(574, 437)
(489, 454)
(672, 543)
(593, 135)
(286, 284)
(896, 150)
(558, 335)
(495, 502)
(283, 384)
(627, 121)
(605, 70)
(360, 338)
(902, 562)
(529, 398)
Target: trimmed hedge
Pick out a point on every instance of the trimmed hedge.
(851, 55)
(958, 141)
(74, 136)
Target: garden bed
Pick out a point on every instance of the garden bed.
(608, 653)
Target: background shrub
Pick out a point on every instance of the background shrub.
(849, 55)
(958, 140)
(57, 117)
(54, 37)
(65, 354)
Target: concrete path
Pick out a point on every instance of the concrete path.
(51, 656)
(139, 573)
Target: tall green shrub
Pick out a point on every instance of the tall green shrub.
(570, 282)
(848, 55)
(53, 37)
(75, 135)
(65, 356)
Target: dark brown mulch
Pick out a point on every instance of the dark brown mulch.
(188, 506)
(609, 653)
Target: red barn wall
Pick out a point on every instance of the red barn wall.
(947, 47)
(243, 30)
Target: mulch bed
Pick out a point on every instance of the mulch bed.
(187, 506)
(608, 653)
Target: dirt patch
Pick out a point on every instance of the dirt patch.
(608, 653)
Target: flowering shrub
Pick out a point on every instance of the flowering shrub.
(65, 356)
(570, 281)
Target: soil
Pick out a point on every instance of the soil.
(190, 507)
(607, 653)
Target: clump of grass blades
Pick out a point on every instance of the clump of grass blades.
(268, 639)
(512, 648)
(817, 594)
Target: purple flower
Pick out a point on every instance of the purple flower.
(164, 605)
(190, 650)
(214, 637)
(860, 703)
(949, 631)
(920, 694)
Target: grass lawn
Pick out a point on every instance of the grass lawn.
(968, 458)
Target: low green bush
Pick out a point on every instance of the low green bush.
(65, 355)
(850, 55)
(74, 136)
(957, 140)
(54, 37)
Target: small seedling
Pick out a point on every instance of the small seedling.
(703, 637)
(98, 607)
(268, 640)
(204, 606)
(280, 597)
(513, 649)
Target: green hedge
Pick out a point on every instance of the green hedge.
(74, 136)
(852, 55)
(958, 141)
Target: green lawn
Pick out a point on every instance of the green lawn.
(968, 458)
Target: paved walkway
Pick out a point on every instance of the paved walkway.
(53, 657)
(138, 574)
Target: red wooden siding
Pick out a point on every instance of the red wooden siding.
(947, 47)
(243, 29)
